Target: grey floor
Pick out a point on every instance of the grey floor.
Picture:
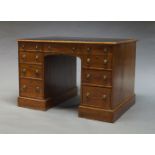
(64, 119)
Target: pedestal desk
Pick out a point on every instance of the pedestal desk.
(47, 74)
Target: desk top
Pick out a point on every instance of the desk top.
(56, 39)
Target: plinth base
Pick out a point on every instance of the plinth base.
(104, 114)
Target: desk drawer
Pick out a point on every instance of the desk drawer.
(98, 61)
(96, 96)
(98, 50)
(59, 48)
(68, 49)
(31, 88)
(30, 46)
(98, 77)
(30, 57)
(31, 71)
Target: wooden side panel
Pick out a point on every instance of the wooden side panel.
(97, 61)
(123, 72)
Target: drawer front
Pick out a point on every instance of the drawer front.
(60, 48)
(96, 96)
(98, 50)
(30, 57)
(98, 61)
(31, 88)
(64, 49)
(30, 46)
(97, 77)
(31, 71)
(76, 49)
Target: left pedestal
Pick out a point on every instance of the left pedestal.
(45, 79)
(31, 76)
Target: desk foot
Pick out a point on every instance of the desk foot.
(103, 114)
(45, 104)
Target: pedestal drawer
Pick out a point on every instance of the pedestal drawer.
(31, 71)
(96, 96)
(31, 88)
(98, 61)
(30, 46)
(97, 77)
(30, 57)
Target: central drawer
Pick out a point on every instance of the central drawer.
(98, 77)
(70, 49)
(96, 96)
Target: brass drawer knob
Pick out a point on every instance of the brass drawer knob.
(49, 47)
(88, 60)
(23, 46)
(73, 49)
(105, 50)
(37, 57)
(37, 89)
(88, 76)
(104, 97)
(23, 56)
(88, 49)
(37, 71)
(105, 61)
(87, 94)
(24, 70)
(36, 46)
(23, 87)
(104, 77)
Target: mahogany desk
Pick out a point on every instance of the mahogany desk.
(47, 74)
